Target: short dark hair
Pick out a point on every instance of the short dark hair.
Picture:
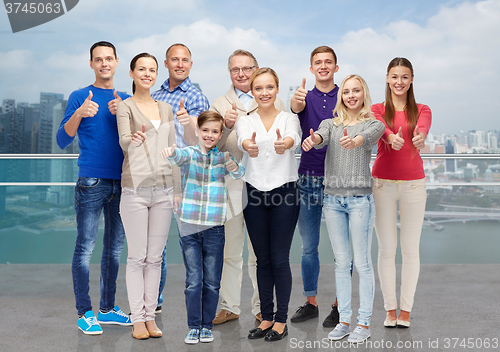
(102, 43)
(177, 44)
(323, 49)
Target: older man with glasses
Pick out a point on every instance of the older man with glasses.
(237, 101)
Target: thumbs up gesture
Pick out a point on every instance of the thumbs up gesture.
(89, 108)
(251, 147)
(310, 141)
(139, 137)
(182, 114)
(298, 102)
(279, 144)
(397, 141)
(418, 139)
(347, 142)
(114, 103)
(231, 166)
(168, 152)
(230, 116)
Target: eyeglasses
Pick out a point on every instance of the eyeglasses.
(246, 69)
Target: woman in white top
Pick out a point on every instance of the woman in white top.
(268, 139)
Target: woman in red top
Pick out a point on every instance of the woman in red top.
(399, 179)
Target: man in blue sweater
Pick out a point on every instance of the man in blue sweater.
(91, 113)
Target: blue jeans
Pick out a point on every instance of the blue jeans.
(311, 205)
(354, 215)
(93, 195)
(271, 218)
(203, 255)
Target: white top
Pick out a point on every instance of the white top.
(269, 170)
(156, 123)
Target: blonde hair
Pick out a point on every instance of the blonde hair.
(340, 114)
(261, 71)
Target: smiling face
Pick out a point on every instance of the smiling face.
(178, 64)
(323, 67)
(210, 133)
(264, 90)
(353, 96)
(144, 73)
(399, 80)
(241, 80)
(104, 63)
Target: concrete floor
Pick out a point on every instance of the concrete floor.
(452, 301)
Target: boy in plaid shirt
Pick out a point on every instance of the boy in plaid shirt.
(201, 217)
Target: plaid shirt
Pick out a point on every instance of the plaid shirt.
(194, 103)
(204, 195)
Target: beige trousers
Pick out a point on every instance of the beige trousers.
(411, 197)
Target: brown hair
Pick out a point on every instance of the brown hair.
(411, 105)
(261, 71)
(323, 49)
(134, 62)
(210, 115)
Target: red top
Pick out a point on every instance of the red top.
(406, 163)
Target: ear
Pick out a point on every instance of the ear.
(117, 62)
(130, 74)
(191, 66)
(166, 61)
(91, 66)
(311, 69)
(336, 69)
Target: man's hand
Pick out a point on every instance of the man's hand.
(114, 103)
(182, 114)
(230, 116)
(89, 108)
(298, 102)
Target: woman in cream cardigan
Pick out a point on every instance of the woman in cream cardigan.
(149, 186)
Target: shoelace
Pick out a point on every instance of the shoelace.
(358, 329)
(300, 308)
(340, 326)
(120, 312)
(91, 321)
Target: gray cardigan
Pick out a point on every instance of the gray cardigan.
(347, 172)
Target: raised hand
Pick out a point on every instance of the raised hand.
(114, 103)
(347, 142)
(252, 147)
(168, 152)
(139, 137)
(89, 108)
(309, 142)
(230, 116)
(418, 139)
(279, 145)
(398, 141)
(300, 94)
(182, 114)
(231, 166)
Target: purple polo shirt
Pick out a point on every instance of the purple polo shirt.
(319, 107)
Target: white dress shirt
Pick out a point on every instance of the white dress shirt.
(269, 170)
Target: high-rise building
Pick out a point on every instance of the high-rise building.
(47, 103)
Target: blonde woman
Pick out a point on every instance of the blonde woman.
(348, 205)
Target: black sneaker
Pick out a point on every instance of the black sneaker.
(332, 319)
(158, 310)
(305, 312)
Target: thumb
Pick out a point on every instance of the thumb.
(227, 156)
(143, 128)
(303, 86)
(345, 131)
(416, 132)
(312, 133)
(90, 95)
(173, 147)
(253, 137)
(181, 106)
(278, 133)
(116, 94)
(234, 106)
(400, 133)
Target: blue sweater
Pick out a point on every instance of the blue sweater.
(100, 153)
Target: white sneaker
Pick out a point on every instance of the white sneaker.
(359, 335)
(340, 331)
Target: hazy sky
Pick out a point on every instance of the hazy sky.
(454, 47)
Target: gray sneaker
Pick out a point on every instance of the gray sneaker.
(359, 335)
(340, 331)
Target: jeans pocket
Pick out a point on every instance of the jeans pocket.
(87, 182)
(378, 183)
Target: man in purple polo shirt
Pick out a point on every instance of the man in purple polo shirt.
(312, 107)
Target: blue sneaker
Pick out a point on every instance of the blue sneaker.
(192, 337)
(89, 325)
(115, 316)
(206, 335)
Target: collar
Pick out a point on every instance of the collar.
(239, 93)
(184, 86)
(331, 93)
(214, 150)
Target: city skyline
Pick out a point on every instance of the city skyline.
(452, 44)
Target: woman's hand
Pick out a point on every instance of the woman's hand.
(279, 145)
(418, 139)
(309, 142)
(251, 147)
(139, 137)
(396, 140)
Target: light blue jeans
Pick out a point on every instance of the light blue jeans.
(351, 219)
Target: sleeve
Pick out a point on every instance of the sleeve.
(378, 111)
(64, 140)
(123, 119)
(198, 105)
(292, 130)
(372, 133)
(324, 132)
(181, 156)
(243, 130)
(424, 119)
(238, 173)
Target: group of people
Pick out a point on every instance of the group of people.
(218, 168)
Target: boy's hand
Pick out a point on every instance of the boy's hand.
(139, 137)
(168, 152)
(114, 103)
(231, 166)
(309, 142)
(301, 93)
